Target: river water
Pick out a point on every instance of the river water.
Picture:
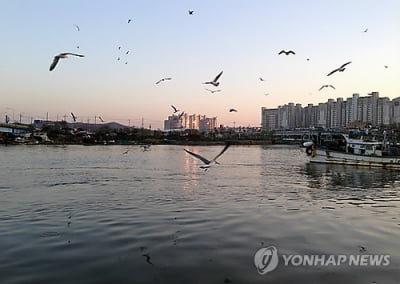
(91, 214)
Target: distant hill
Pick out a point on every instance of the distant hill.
(92, 126)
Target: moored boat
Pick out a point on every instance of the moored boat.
(359, 150)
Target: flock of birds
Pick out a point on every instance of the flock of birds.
(214, 83)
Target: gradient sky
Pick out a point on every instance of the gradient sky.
(241, 38)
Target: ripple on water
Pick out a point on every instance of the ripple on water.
(110, 214)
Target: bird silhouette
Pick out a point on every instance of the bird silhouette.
(175, 109)
(214, 82)
(213, 91)
(190, 12)
(101, 119)
(147, 258)
(62, 55)
(262, 79)
(129, 20)
(73, 116)
(286, 52)
(163, 79)
(181, 114)
(77, 27)
(340, 69)
(233, 110)
(386, 66)
(326, 86)
(366, 30)
(207, 163)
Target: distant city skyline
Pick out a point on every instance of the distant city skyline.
(128, 46)
(354, 111)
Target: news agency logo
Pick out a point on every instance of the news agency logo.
(267, 259)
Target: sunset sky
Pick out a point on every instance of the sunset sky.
(240, 38)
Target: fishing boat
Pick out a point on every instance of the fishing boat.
(350, 149)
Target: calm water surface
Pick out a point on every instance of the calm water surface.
(76, 214)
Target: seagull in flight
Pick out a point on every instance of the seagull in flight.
(213, 91)
(77, 27)
(73, 116)
(366, 30)
(62, 55)
(190, 12)
(163, 79)
(286, 52)
(181, 114)
(214, 82)
(207, 163)
(262, 79)
(326, 86)
(233, 110)
(101, 119)
(386, 66)
(340, 69)
(175, 109)
(129, 20)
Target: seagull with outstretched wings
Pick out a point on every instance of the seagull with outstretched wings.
(62, 55)
(286, 52)
(340, 69)
(215, 82)
(207, 163)
(327, 86)
(163, 79)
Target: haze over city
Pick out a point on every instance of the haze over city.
(128, 46)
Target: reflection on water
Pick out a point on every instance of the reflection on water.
(336, 177)
(79, 214)
(359, 185)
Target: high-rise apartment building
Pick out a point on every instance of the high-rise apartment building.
(334, 114)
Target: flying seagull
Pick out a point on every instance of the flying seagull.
(232, 110)
(190, 12)
(147, 258)
(214, 82)
(175, 109)
(207, 163)
(366, 30)
(386, 66)
(181, 114)
(163, 79)
(77, 27)
(62, 55)
(262, 79)
(129, 20)
(340, 69)
(101, 119)
(286, 52)
(73, 116)
(326, 86)
(213, 91)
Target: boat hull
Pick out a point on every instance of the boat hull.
(333, 157)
